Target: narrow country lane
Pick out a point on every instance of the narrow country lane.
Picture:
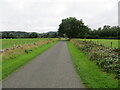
(52, 69)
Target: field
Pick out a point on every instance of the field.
(8, 43)
(105, 42)
(96, 63)
(15, 57)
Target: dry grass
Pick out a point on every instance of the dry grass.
(16, 51)
(14, 58)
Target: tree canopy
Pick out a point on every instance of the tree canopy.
(33, 35)
(105, 32)
(73, 28)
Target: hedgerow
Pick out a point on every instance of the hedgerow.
(106, 58)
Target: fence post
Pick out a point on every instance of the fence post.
(111, 44)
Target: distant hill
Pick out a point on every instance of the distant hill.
(51, 33)
(22, 34)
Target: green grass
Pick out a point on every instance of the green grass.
(8, 43)
(90, 74)
(9, 66)
(105, 42)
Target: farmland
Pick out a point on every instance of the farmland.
(96, 64)
(8, 43)
(60, 44)
(23, 52)
(104, 42)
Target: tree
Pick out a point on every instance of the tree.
(105, 32)
(73, 28)
(54, 35)
(26, 35)
(33, 35)
(48, 35)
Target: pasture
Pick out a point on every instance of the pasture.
(15, 57)
(8, 43)
(87, 61)
(105, 42)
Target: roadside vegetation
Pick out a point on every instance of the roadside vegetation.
(91, 75)
(105, 58)
(15, 57)
(93, 58)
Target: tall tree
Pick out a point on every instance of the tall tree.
(73, 28)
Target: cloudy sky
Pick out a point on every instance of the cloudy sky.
(46, 15)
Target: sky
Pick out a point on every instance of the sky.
(46, 15)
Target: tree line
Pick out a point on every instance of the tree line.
(18, 34)
(73, 28)
(107, 32)
(69, 28)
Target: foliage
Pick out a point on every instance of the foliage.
(33, 35)
(14, 34)
(18, 34)
(73, 28)
(90, 74)
(104, 57)
(105, 32)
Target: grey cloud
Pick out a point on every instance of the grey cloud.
(46, 15)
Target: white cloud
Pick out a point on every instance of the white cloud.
(46, 15)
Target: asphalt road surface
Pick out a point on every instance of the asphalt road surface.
(52, 69)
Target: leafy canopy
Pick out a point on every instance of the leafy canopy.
(72, 28)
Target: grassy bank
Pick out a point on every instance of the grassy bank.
(10, 65)
(89, 73)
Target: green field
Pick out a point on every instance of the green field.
(8, 43)
(90, 74)
(105, 42)
(15, 58)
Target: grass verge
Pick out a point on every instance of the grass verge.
(10, 66)
(89, 73)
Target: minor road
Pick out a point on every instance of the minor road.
(52, 69)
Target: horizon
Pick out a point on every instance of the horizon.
(27, 31)
(44, 32)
